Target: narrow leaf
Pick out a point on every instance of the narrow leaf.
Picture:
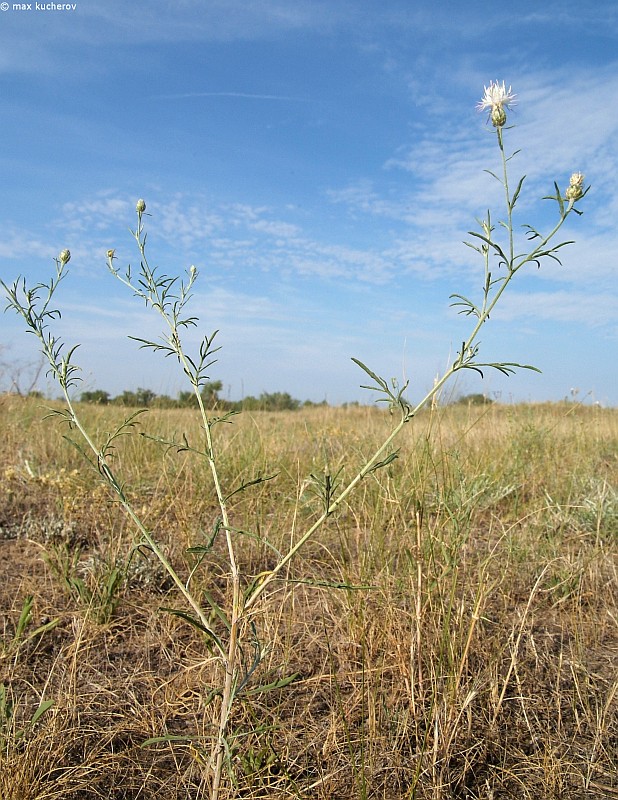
(385, 462)
(489, 172)
(245, 485)
(380, 381)
(517, 191)
(43, 707)
(196, 624)
(269, 687)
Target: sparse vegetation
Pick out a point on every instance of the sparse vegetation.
(470, 650)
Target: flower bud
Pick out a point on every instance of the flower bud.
(576, 187)
(64, 257)
(498, 116)
(140, 206)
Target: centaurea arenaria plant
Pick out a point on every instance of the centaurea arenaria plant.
(230, 623)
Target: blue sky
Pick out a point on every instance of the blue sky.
(321, 164)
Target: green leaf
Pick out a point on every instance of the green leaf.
(43, 629)
(197, 624)
(380, 381)
(468, 306)
(245, 484)
(557, 197)
(532, 233)
(6, 707)
(506, 368)
(477, 249)
(43, 707)
(24, 617)
(217, 609)
(517, 191)
(270, 687)
(81, 451)
(224, 418)
(489, 172)
(493, 245)
(385, 462)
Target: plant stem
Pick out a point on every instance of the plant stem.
(408, 413)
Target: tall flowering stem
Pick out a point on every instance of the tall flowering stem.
(160, 293)
(497, 99)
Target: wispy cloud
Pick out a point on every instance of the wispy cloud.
(17, 245)
(239, 95)
(105, 27)
(237, 237)
(588, 308)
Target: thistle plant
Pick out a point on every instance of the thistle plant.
(230, 627)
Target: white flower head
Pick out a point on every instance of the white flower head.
(496, 100)
(576, 186)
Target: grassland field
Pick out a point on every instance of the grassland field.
(452, 631)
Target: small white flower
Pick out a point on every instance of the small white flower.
(576, 186)
(496, 95)
(496, 100)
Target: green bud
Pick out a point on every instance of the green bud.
(64, 257)
(140, 206)
(498, 116)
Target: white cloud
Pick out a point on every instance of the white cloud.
(95, 214)
(238, 95)
(18, 245)
(589, 309)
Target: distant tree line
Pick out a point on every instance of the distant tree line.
(473, 400)
(146, 398)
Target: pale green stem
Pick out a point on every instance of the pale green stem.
(509, 208)
(229, 658)
(408, 414)
(110, 478)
